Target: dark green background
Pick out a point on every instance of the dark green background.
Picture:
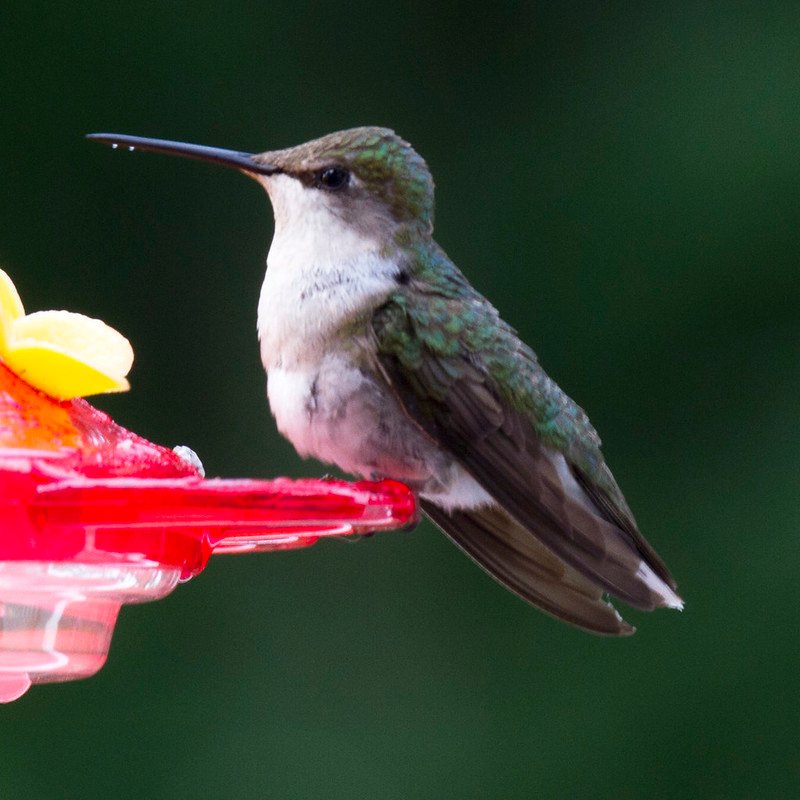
(623, 181)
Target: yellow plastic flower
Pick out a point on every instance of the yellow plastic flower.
(61, 353)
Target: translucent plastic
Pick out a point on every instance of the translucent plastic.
(93, 516)
(56, 619)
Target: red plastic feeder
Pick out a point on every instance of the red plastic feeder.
(93, 516)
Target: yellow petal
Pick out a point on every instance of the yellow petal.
(10, 309)
(60, 374)
(86, 340)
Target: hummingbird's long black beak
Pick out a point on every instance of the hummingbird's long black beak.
(217, 155)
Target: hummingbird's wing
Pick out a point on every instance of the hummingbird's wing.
(469, 382)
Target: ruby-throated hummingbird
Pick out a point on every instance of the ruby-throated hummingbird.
(382, 359)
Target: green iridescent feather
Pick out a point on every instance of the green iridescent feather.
(439, 330)
(386, 164)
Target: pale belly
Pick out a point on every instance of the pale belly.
(332, 411)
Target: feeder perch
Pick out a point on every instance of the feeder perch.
(93, 516)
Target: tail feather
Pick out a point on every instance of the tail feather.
(516, 559)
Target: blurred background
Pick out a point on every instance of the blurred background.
(623, 181)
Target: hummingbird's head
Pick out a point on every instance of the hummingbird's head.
(367, 179)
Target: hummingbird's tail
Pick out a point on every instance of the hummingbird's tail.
(511, 555)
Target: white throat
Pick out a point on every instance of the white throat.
(320, 272)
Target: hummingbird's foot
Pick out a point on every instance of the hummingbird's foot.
(412, 526)
(189, 455)
(352, 538)
(369, 534)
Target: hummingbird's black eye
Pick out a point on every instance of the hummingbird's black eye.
(333, 178)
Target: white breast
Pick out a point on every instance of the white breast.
(327, 410)
(320, 273)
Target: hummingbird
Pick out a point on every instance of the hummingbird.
(381, 358)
